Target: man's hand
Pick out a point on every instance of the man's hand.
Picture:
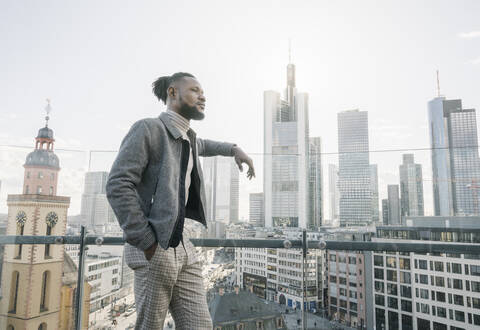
(150, 251)
(240, 158)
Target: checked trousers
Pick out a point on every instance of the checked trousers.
(171, 280)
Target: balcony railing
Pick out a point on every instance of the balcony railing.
(303, 244)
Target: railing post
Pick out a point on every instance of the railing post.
(80, 279)
(304, 291)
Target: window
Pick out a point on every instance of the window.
(425, 308)
(379, 287)
(423, 279)
(404, 263)
(51, 191)
(406, 291)
(423, 293)
(378, 260)
(441, 312)
(47, 246)
(475, 286)
(458, 299)
(352, 260)
(379, 300)
(27, 190)
(379, 273)
(440, 296)
(260, 325)
(333, 257)
(457, 284)
(39, 189)
(391, 275)
(456, 268)
(406, 305)
(438, 266)
(476, 319)
(393, 302)
(44, 292)
(52, 176)
(439, 281)
(422, 264)
(474, 270)
(392, 262)
(240, 326)
(405, 278)
(40, 175)
(392, 289)
(28, 175)
(407, 322)
(459, 316)
(12, 308)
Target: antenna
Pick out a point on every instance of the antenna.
(48, 109)
(438, 84)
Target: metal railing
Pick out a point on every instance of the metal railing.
(304, 244)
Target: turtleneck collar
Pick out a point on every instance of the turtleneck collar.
(180, 122)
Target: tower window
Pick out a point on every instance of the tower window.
(47, 246)
(18, 254)
(52, 176)
(44, 293)
(26, 189)
(39, 189)
(40, 175)
(28, 175)
(12, 308)
(51, 190)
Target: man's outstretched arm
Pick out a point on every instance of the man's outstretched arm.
(208, 148)
(125, 175)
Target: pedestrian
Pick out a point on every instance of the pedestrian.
(155, 187)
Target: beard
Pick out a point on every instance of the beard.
(190, 112)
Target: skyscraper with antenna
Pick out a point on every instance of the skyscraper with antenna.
(455, 159)
(286, 161)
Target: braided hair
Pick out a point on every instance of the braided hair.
(161, 85)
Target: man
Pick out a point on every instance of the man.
(155, 186)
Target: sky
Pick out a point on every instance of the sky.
(96, 61)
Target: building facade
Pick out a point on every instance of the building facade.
(96, 212)
(427, 291)
(333, 193)
(222, 189)
(315, 184)
(32, 274)
(394, 217)
(374, 190)
(256, 210)
(411, 187)
(455, 160)
(354, 168)
(286, 164)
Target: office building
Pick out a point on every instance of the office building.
(411, 187)
(96, 212)
(333, 192)
(393, 205)
(222, 189)
(354, 168)
(374, 190)
(455, 161)
(425, 291)
(315, 184)
(257, 215)
(286, 148)
(385, 211)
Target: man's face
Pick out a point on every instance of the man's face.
(191, 101)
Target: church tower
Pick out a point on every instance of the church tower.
(32, 273)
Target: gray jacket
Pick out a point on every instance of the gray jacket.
(144, 182)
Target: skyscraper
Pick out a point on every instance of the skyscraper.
(257, 214)
(455, 161)
(333, 193)
(315, 184)
(286, 148)
(354, 168)
(411, 187)
(374, 189)
(385, 211)
(393, 205)
(97, 214)
(222, 189)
